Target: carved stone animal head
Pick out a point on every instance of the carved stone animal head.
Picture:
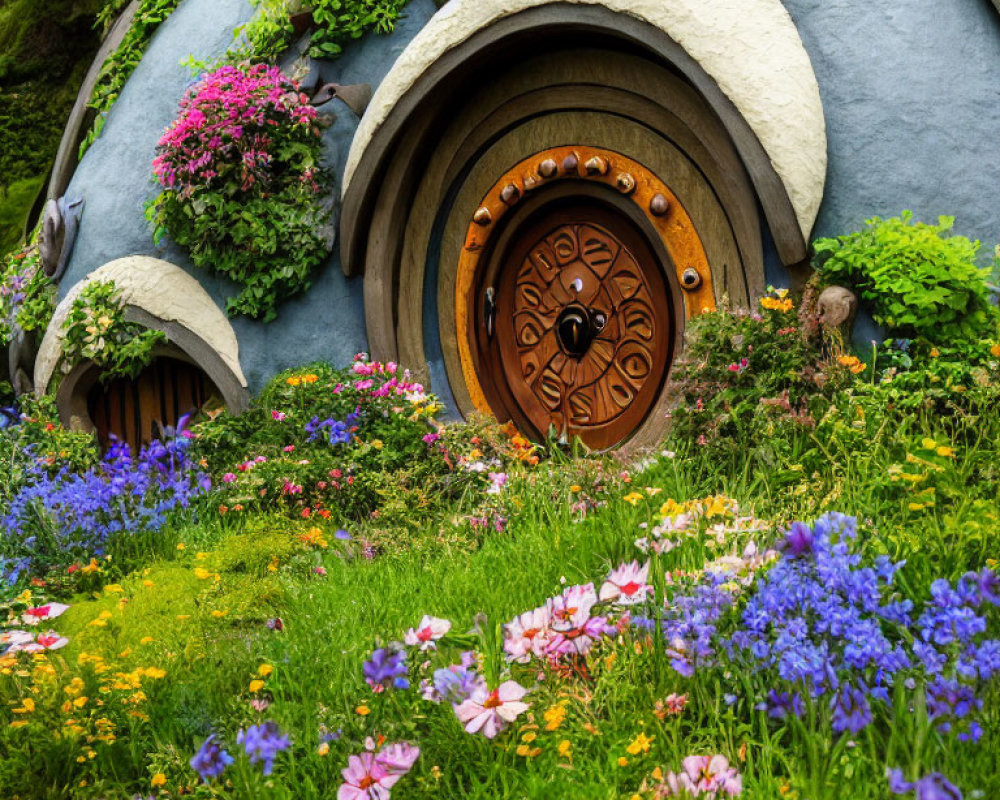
(837, 307)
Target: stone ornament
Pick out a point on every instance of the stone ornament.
(60, 221)
(836, 308)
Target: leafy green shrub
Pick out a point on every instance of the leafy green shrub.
(920, 282)
(744, 373)
(95, 329)
(27, 296)
(338, 22)
(243, 186)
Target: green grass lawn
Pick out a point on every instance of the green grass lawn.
(241, 610)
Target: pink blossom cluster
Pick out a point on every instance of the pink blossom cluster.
(398, 385)
(702, 776)
(563, 627)
(227, 129)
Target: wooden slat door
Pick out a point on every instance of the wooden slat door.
(134, 410)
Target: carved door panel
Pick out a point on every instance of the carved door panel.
(584, 328)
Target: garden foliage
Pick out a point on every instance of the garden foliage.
(96, 330)
(920, 282)
(27, 296)
(336, 23)
(243, 186)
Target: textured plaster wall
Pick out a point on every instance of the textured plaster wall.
(115, 180)
(749, 47)
(911, 93)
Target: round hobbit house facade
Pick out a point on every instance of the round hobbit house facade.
(532, 198)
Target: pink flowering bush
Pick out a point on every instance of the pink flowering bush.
(243, 187)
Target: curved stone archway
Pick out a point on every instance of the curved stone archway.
(157, 295)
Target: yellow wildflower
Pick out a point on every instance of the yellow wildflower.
(576, 488)
(529, 737)
(633, 497)
(27, 706)
(158, 780)
(256, 685)
(377, 444)
(202, 574)
(147, 640)
(181, 545)
(554, 717)
(219, 614)
(640, 745)
(363, 710)
(264, 670)
(114, 588)
(323, 749)
(995, 350)
(148, 583)
(155, 673)
(564, 749)
(935, 352)
(81, 701)
(200, 556)
(528, 752)
(622, 761)
(947, 452)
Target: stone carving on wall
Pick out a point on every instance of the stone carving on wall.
(60, 220)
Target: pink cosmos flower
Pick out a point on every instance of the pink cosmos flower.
(365, 779)
(398, 758)
(427, 632)
(33, 616)
(489, 712)
(627, 585)
(573, 629)
(370, 777)
(15, 641)
(278, 416)
(229, 477)
(702, 775)
(528, 635)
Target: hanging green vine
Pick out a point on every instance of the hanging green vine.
(120, 65)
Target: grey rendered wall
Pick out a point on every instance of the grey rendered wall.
(115, 180)
(911, 93)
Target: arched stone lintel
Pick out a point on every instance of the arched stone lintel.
(160, 295)
(744, 56)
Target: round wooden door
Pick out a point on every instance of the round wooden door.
(582, 328)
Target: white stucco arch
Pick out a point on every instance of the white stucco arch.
(163, 291)
(750, 48)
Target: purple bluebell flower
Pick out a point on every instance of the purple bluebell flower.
(851, 711)
(798, 539)
(931, 787)
(780, 704)
(456, 684)
(263, 743)
(211, 760)
(386, 669)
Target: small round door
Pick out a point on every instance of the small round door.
(578, 330)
